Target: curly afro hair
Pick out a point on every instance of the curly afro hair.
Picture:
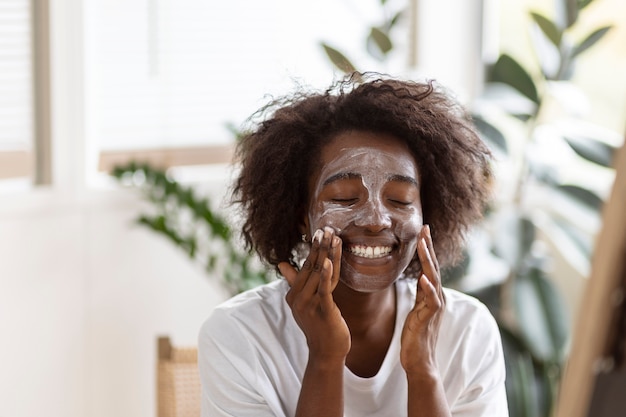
(278, 154)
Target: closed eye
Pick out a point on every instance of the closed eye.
(345, 201)
(401, 202)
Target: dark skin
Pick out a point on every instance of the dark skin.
(344, 299)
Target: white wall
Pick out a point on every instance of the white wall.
(84, 293)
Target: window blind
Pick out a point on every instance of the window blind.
(16, 107)
(174, 73)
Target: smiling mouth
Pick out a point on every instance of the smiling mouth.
(371, 252)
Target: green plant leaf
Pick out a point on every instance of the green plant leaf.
(583, 3)
(515, 238)
(592, 150)
(508, 71)
(381, 39)
(338, 59)
(548, 374)
(581, 240)
(549, 28)
(582, 195)
(520, 373)
(571, 11)
(590, 40)
(394, 20)
(520, 387)
(490, 134)
(509, 99)
(540, 314)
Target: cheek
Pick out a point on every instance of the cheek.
(330, 215)
(409, 226)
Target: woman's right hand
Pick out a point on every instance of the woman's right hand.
(311, 298)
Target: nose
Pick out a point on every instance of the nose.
(372, 216)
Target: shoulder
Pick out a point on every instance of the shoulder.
(460, 306)
(468, 318)
(469, 336)
(241, 311)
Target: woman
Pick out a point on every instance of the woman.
(358, 196)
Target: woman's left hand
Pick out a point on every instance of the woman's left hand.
(421, 328)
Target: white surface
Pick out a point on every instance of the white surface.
(84, 294)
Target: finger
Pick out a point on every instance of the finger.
(430, 302)
(324, 240)
(308, 265)
(428, 267)
(325, 289)
(431, 247)
(336, 251)
(433, 256)
(289, 272)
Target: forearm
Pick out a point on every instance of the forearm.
(426, 396)
(322, 389)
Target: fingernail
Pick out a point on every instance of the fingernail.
(335, 242)
(428, 230)
(317, 237)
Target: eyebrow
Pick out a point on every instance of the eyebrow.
(353, 175)
(402, 178)
(342, 176)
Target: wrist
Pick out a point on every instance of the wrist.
(425, 376)
(326, 363)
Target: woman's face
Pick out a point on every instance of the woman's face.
(367, 188)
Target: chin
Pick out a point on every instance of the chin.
(361, 282)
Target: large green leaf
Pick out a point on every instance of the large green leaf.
(581, 240)
(572, 8)
(509, 100)
(514, 238)
(592, 150)
(549, 28)
(338, 59)
(490, 134)
(548, 374)
(541, 315)
(582, 195)
(522, 394)
(590, 40)
(378, 44)
(381, 40)
(508, 71)
(583, 3)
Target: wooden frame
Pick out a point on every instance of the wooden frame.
(166, 158)
(602, 306)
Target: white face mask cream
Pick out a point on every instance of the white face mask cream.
(367, 190)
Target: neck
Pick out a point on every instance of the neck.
(365, 312)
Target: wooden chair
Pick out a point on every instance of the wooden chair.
(178, 380)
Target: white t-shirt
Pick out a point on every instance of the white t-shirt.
(252, 356)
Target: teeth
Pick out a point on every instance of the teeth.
(370, 251)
